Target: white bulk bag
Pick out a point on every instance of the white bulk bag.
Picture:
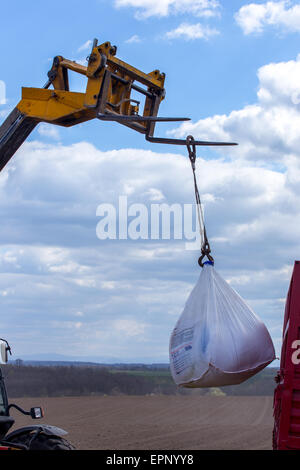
(218, 340)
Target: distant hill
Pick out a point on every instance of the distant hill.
(50, 357)
(121, 365)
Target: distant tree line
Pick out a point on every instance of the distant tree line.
(36, 381)
(31, 381)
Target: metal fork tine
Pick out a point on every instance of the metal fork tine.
(123, 118)
(163, 140)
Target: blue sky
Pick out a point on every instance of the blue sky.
(232, 67)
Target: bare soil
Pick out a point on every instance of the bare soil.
(158, 422)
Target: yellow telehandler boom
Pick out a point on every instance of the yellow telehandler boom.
(110, 83)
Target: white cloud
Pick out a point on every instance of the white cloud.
(255, 18)
(108, 285)
(48, 130)
(82, 61)
(279, 84)
(130, 327)
(189, 31)
(147, 8)
(133, 39)
(86, 46)
(2, 92)
(4, 113)
(268, 130)
(79, 314)
(86, 282)
(155, 194)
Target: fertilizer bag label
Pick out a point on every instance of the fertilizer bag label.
(181, 349)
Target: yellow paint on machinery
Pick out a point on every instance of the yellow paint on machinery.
(108, 91)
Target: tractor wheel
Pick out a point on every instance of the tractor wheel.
(42, 442)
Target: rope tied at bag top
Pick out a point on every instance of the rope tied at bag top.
(205, 247)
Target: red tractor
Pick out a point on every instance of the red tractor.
(34, 437)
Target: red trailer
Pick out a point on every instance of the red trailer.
(286, 434)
